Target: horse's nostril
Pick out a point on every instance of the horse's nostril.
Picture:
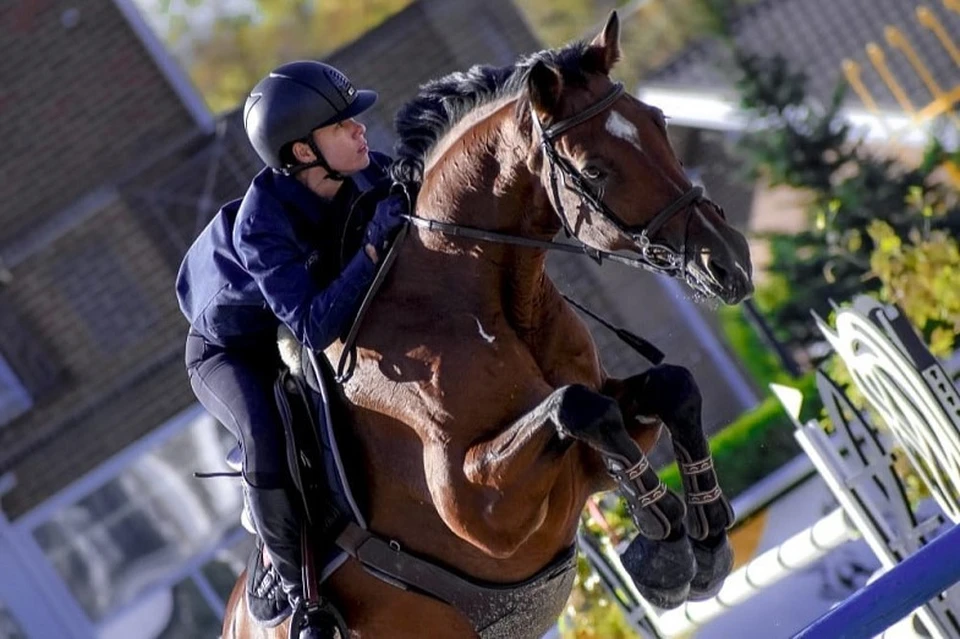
(718, 271)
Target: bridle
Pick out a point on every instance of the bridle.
(660, 257)
(655, 257)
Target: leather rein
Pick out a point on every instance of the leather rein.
(654, 257)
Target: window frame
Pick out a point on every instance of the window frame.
(15, 400)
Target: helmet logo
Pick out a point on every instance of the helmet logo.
(341, 82)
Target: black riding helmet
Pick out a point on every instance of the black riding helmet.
(292, 101)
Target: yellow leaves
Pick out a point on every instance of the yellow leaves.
(923, 277)
(241, 48)
(854, 241)
(825, 214)
(941, 340)
(884, 237)
(915, 197)
(820, 222)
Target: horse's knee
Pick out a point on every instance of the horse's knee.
(677, 376)
(585, 413)
(676, 382)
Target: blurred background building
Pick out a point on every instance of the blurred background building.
(114, 161)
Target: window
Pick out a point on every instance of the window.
(14, 398)
(143, 527)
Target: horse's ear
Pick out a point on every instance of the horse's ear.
(545, 85)
(606, 44)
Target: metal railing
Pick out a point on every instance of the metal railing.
(895, 594)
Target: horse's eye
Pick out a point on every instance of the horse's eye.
(592, 173)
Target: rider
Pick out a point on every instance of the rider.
(274, 257)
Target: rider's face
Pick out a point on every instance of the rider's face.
(344, 146)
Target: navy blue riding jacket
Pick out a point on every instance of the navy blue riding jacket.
(275, 256)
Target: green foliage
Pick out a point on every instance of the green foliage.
(592, 614)
(651, 32)
(556, 22)
(236, 43)
(851, 190)
(761, 364)
(923, 277)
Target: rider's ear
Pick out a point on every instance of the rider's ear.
(545, 85)
(302, 153)
(606, 45)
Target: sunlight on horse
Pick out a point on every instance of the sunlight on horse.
(480, 419)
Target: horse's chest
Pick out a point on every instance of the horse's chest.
(470, 374)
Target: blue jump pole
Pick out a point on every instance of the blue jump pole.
(895, 594)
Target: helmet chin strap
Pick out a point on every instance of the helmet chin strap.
(320, 161)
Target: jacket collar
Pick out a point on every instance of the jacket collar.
(292, 194)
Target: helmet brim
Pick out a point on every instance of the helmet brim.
(363, 101)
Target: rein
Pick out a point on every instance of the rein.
(348, 356)
(459, 230)
(654, 257)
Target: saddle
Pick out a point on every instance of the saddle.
(497, 611)
(325, 509)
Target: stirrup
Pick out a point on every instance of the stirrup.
(308, 613)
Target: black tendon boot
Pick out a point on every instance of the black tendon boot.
(659, 559)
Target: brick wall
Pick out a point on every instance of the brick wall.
(100, 298)
(88, 322)
(78, 104)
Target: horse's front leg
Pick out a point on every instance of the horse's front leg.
(670, 394)
(660, 559)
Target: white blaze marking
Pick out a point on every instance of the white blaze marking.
(623, 128)
(489, 338)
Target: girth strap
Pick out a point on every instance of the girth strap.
(480, 603)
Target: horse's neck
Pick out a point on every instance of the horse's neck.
(481, 180)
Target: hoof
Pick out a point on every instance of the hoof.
(714, 558)
(661, 570)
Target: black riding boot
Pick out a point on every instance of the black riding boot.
(278, 526)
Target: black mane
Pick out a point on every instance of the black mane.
(443, 102)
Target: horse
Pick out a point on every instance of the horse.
(479, 417)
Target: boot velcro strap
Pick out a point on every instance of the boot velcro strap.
(706, 497)
(630, 482)
(701, 466)
(637, 469)
(642, 498)
(652, 496)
